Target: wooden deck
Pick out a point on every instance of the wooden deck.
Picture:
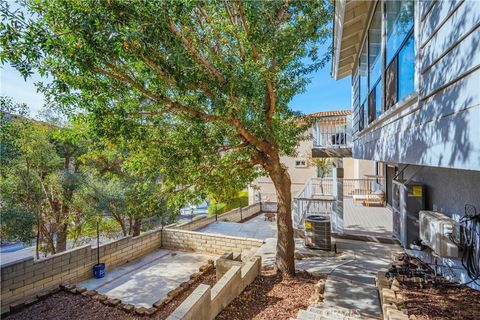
(370, 221)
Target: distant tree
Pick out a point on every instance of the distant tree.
(207, 81)
(323, 166)
(40, 175)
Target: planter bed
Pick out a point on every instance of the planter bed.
(270, 296)
(65, 305)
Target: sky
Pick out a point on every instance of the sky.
(322, 94)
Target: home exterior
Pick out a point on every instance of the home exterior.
(415, 71)
(330, 133)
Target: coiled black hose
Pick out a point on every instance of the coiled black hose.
(471, 247)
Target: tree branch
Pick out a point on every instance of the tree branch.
(195, 54)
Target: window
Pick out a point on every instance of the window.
(399, 22)
(375, 65)
(363, 78)
(398, 60)
(399, 51)
(406, 67)
(300, 164)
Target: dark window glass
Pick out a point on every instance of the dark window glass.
(406, 69)
(371, 105)
(361, 118)
(374, 47)
(378, 100)
(391, 84)
(399, 15)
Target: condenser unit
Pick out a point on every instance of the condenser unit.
(440, 233)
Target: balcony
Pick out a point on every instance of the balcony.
(332, 135)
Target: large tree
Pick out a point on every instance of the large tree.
(209, 80)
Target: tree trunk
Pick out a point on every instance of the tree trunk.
(61, 239)
(137, 223)
(285, 260)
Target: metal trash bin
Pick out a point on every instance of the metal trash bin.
(318, 233)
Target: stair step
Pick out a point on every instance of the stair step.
(307, 315)
(331, 312)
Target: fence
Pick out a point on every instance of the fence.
(317, 196)
(332, 132)
(235, 215)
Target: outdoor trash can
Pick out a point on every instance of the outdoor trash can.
(99, 270)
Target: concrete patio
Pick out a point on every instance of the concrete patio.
(144, 281)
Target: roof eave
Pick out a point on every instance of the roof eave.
(339, 14)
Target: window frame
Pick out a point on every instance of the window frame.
(364, 45)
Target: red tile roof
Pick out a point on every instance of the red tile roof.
(329, 113)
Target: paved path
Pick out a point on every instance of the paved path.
(350, 286)
(144, 281)
(350, 283)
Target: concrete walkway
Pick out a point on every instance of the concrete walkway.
(144, 281)
(351, 275)
(350, 284)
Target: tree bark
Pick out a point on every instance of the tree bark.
(137, 223)
(285, 260)
(61, 239)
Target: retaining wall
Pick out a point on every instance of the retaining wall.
(235, 215)
(207, 302)
(205, 242)
(25, 279)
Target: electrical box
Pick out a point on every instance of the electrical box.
(408, 199)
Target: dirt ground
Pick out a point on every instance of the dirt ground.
(68, 306)
(440, 302)
(272, 297)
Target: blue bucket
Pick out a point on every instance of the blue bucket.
(99, 270)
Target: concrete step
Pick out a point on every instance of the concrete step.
(352, 295)
(334, 312)
(307, 315)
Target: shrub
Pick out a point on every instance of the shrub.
(240, 200)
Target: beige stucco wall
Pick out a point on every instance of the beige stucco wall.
(353, 169)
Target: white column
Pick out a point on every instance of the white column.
(338, 194)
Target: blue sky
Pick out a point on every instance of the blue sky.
(322, 94)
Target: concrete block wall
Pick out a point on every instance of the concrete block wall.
(206, 303)
(25, 279)
(204, 242)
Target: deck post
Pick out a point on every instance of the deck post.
(338, 194)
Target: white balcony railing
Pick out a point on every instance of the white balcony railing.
(332, 132)
(317, 196)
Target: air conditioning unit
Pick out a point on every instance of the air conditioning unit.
(440, 233)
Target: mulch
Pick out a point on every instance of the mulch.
(68, 306)
(439, 302)
(272, 296)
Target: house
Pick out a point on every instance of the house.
(415, 71)
(329, 137)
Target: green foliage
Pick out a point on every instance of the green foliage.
(323, 165)
(238, 201)
(16, 224)
(197, 92)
